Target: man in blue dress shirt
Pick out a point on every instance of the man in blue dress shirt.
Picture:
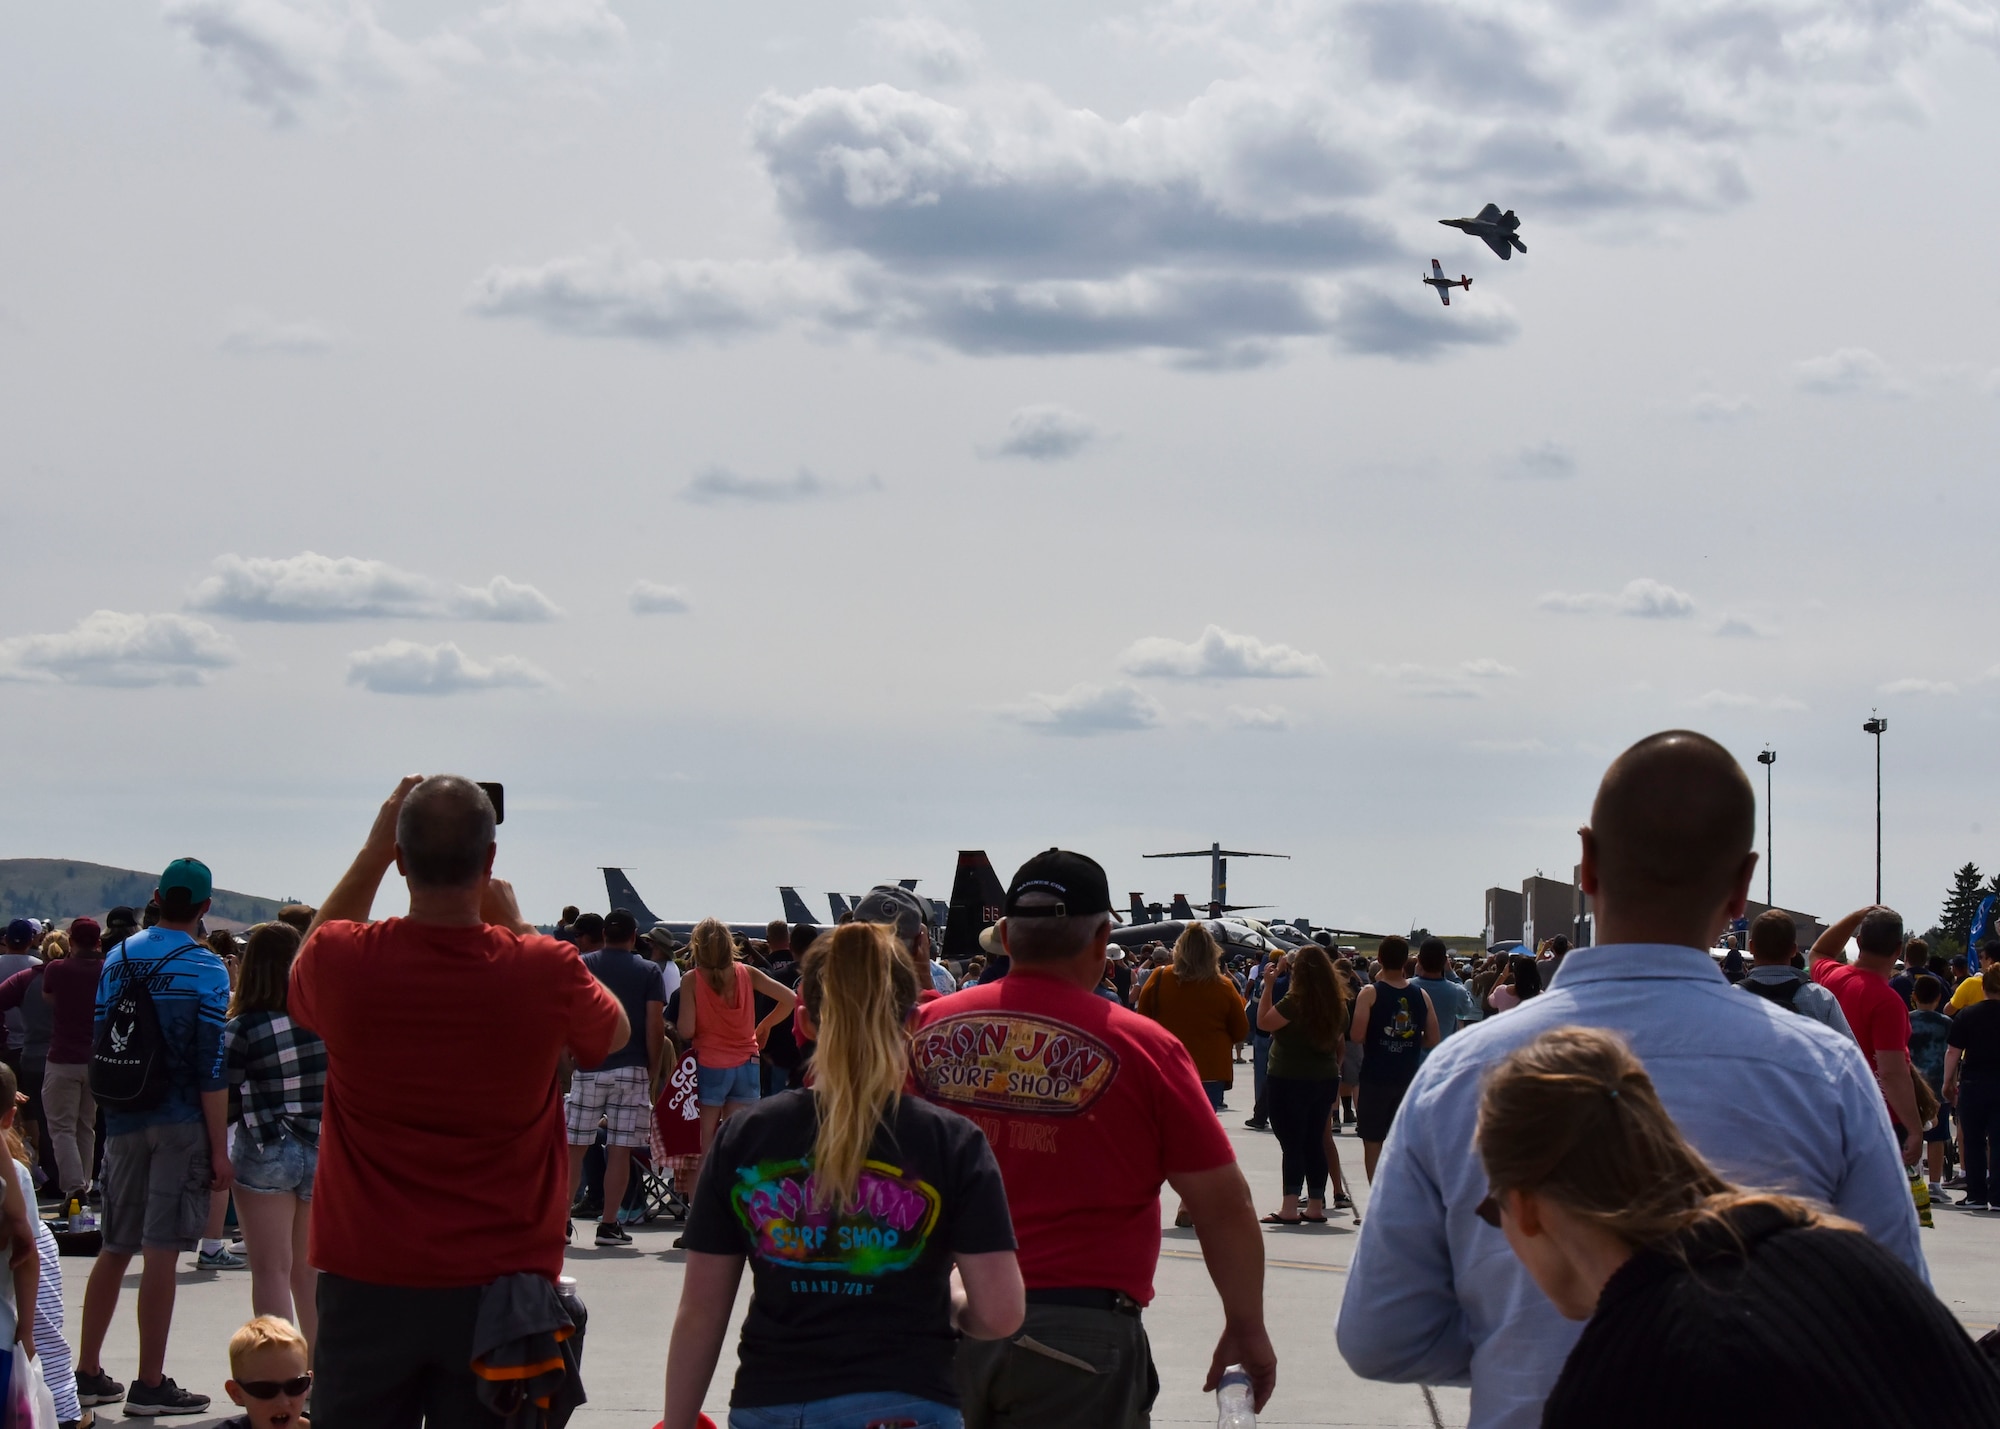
(1434, 1295)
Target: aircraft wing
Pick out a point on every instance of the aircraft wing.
(1490, 213)
(1499, 244)
(1437, 268)
(1444, 295)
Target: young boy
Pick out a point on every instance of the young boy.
(1928, 1030)
(268, 1375)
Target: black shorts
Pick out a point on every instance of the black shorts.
(1375, 1107)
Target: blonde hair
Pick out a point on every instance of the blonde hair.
(55, 945)
(1573, 1116)
(1197, 956)
(263, 1333)
(714, 949)
(860, 989)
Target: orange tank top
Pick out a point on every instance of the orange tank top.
(724, 1036)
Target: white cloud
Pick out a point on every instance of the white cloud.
(1918, 687)
(1714, 407)
(403, 667)
(1467, 680)
(260, 335)
(1218, 654)
(718, 485)
(310, 586)
(1732, 700)
(1089, 709)
(1851, 372)
(1044, 432)
(1273, 720)
(651, 598)
(108, 647)
(1737, 627)
(938, 52)
(1544, 461)
(1643, 598)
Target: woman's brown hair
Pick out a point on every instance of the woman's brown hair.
(714, 955)
(267, 970)
(859, 990)
(1319, 996)
(1573, 1116)
(1197, 956)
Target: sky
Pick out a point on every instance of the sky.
(789, 443)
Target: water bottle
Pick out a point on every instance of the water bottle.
(1233, 1407)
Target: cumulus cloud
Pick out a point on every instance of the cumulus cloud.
(1715, 408)
(1851, 372)
(1918, 687)
(1218, 654)
(108, 647)
(1044, 433)
(1467, 680)
(1737, 627)
(1089, 709)
(310, 586)
(1733, 700)
(1273, 720)
(719, 486)
(1643, 598)
(403, 667)
(260, 335)
(940, 53)
(651, 598)
(295, 59)
(1544, 461)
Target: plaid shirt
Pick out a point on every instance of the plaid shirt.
(281, 1068)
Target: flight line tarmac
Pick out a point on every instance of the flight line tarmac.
(632, 1295)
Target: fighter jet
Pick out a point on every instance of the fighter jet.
(1444, 285)
(1497, 229)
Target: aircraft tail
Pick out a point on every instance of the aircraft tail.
(1180, 908)
(1139, 914)
(795, 906)
(618, 888)
(977, 901)
(838, 905)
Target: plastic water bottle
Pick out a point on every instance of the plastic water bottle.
(1233, 1407)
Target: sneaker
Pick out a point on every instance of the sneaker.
(1256, 1125)
(569, 1232)
(99, 1388)
(224, 1259)
(1955, 1183)
(1342, 1201)
(612, 1235)
(166, 1397)
(1966, 1203)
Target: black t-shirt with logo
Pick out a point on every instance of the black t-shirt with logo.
(857, 1301)
(1976, 1034)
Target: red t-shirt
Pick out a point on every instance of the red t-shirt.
(441, 1152)
(1880, 1021)
(1088, 1107)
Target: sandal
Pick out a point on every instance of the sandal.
(1274, 1219)
(1312, 1220)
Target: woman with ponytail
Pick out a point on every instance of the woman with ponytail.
(853, 1203)
(1707, 1304)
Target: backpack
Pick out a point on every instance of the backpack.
(1785, 994)
(129, 1058)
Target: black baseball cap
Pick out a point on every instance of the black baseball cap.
(123, 916)
(897, 906)
(619, 924)
(1076, 882)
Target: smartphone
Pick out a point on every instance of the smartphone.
(498, 794)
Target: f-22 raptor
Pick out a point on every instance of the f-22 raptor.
(1497, 229)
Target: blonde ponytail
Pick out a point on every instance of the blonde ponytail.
(859, 988)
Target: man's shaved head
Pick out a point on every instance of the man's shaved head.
(1674, 820)
(444, 831)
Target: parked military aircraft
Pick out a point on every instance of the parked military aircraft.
(1496, 229)
(1443, 284)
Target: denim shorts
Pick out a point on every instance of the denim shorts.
(717, 1086)
(283, 1168)
(850, 1411)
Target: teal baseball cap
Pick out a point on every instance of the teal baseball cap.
(191, 874)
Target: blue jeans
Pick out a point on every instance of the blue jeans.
(1260, 1060)
(850, 1411)
(284, 1168)
(1215, 1091)
(719, 1086)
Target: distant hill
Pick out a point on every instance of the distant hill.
(65, 888)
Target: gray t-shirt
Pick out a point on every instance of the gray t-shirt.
(17, 1027)
(1811, 999)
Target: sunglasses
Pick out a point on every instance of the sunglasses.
(1488, 1211)
(272, 1388)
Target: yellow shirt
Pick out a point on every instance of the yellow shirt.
(1969, 992)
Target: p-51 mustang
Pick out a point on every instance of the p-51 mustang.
(1443, 284)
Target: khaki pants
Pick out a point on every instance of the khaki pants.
(72, 1113)
(1065, 1368)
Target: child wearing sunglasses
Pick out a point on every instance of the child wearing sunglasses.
(268, 1375)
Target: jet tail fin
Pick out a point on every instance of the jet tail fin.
(977, 902)
(618, 888)
(1180, 907)
(1139, 909)
(795, 906)
(837, 905)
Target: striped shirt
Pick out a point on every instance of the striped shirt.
(281, 1069)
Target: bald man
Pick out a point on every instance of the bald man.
(1434, 1295)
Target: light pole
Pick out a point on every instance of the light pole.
(1876, 726)
(1767, 759)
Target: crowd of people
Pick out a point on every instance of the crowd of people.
(1621, 1183)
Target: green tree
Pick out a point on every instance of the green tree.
(1961, 903)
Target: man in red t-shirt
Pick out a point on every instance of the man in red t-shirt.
(442, 1164)
(1879, 1018)
(1089, 1109)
